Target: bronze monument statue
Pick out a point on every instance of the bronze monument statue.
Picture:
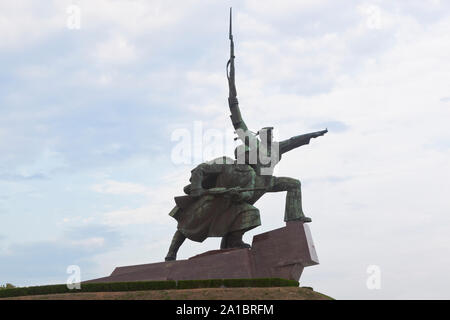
(219, 202)
(220, 197)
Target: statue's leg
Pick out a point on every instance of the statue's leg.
(293, 210)
(223, 243)
(234, 240)
(177, 241)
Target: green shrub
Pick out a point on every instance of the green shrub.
(12, 292)
(95, 287)
(216, 283)
(153, 285)
(148, 285)
(278, 282)
(260, 282)
(128, 286)
(236, 283)
(194, 284)
(119, 286)
(29, 291)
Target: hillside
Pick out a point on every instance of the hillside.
(276, 293)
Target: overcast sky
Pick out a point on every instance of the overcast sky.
(90, 116)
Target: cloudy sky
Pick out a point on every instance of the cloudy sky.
(91, 119)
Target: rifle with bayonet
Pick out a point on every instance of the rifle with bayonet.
(236, 118)
(185, 201)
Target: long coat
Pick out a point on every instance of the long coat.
(215, 216)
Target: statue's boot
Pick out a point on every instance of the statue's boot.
(293, 210)
(177, 241)
(233, 240)
(223, 243)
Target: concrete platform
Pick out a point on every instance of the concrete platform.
(279, 253)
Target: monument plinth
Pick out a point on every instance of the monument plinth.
(280, 253)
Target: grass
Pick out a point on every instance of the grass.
(256, 293)
(148, 285)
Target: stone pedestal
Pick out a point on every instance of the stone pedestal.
(280, 253)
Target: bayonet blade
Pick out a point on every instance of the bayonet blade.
(231, 32)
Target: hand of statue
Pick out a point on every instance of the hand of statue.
(239, 196)
(320, 133)
(234, 194)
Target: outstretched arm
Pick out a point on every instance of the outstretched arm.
(297, 141)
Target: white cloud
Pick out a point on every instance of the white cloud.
(373, 16)
(94, 242)
(142, 215)
(134, 17)
(121, 188)
(47, 162)
(117, 50)
(158, 200)
(282, 7)
(22, 22)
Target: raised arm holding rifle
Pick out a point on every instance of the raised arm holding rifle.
(267, 152)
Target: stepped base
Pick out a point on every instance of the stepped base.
(279, 253)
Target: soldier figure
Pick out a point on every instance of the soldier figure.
(219, 201)
(216, 205)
